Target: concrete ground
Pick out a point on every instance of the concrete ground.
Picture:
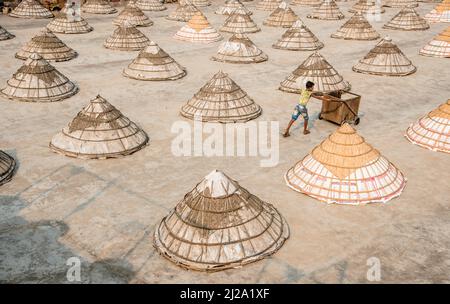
(105, 211)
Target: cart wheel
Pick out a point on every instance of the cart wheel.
(357, 121)
(320, 116)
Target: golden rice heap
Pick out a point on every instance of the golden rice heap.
(239, 22)
(441, 13)
(230, 6)
(385, 59)
(126, 37)
(356, 28)
(400, 3)
(99, 131)
(221, 100)
(367, 7)
(66, 24)
(153, 63)
(151, 5)
(312, 3)
(316, 69)
(345, 169)
(220, 225)
(201, 3)
(407, 20)
(268, 5)
(298, 38)
(46, 44)
(184, 12)
(328, 10)
(282, 16)
(5, 35)
(433, 130)
(198, 30)
(38, 81)
(7, 166)
(133, 14)
(101, 7)
(439, 46)
(239, 49)
(31, 9)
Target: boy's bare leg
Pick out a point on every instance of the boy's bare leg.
(286, 133)
(305, 127)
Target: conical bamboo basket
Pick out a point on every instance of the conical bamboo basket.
(201, 3)
(99, 131)
(433, 130)
(184, 11)
(151, 5)
(46, 44)
(268, 5)
(441, 13)
(385, 59)
(439, 46)
(126, 37)
(368, 7)
(345, 169)
(356, 28)
(400, 3)
(311, 3)
(64, 25)
(31, 9)
(100, 7)
(38, 81)
(220, 225)
(230, 6)
(133, 14)
(282, 16)
(407, 20)
(328, 10)
(7, 166)
(316, 69)
(153, 63)
(198, 30)
(239, 49)
(5, 35)
(221, 100)
(298, 38)
(239, 22)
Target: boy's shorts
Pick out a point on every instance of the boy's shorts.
(300, 110)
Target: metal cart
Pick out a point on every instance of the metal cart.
(340, 107)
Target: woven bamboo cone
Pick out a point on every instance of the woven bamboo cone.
(5, 35)
(239, 49)
(153, 63)
(201, 3)
(7, 166)
(400, 3)
(184, 11)
(441, 13)
(282, 16)
(100, 7)
(439, 46)
(126, 37)
(368, 7)
(316, 69)
(64, 24)
(328, 10)
(239, 22)
(433, 130)
(221, 100)
(133, 14)
(345, 169)
(407, 20)
(230, 6)
(46, 44)
(268, 5)
(198, 30)
(99, 131)
(150, 5)
(38, 81)
(311, 3)
(220, 225)
(298, 38)
(31, 9)
(385, 59)
(356, 28)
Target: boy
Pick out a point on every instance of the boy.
(300, 108)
